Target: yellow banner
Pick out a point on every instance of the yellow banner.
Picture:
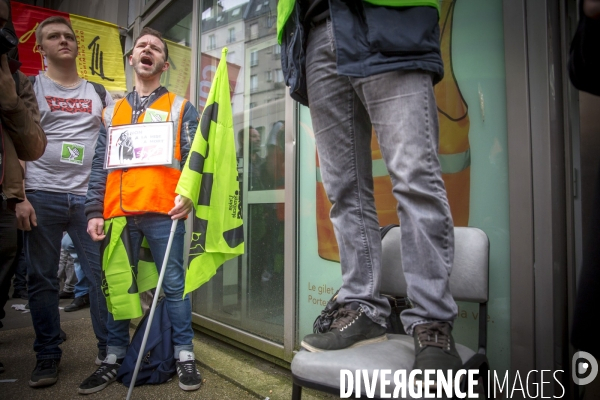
(100, 56)
(177, 78)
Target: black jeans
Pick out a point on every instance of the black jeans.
(20, 265)
(8, 251)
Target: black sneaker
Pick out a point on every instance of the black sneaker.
(189, 377)
(1, 367)
(65, 295)
(351, 328)
(100, 357)
(435, 349)
(45, 373)
(78, 303)
(103, 376)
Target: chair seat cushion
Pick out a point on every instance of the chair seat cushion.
(323, 369)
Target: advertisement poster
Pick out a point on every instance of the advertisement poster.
(473, 153)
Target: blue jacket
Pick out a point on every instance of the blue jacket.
(373, 39)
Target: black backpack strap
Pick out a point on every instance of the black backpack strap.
(101, 91)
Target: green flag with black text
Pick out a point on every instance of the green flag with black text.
(122, 279)
(210, 180)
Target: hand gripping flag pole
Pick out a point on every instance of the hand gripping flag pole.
(152, 309)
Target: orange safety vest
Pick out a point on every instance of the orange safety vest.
(141, 190)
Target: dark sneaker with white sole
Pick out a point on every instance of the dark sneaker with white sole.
(189, 377)
(350, 328)
(45, 373)
(435, 349)
(103, 376)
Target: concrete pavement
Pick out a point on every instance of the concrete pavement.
(228, 372)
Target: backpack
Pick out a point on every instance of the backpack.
(100, 90)
(158, 364)
(323, 322)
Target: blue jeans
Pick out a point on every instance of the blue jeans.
(156, 229)
(81, 288)
(400, 106)
(56, 213)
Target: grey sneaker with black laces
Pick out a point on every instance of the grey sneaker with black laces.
(45, 373)
(189, 377)
(104, 375)
(435, 348)
(350, 328)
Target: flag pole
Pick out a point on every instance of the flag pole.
(152, 309)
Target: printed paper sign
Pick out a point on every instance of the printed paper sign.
(153, 115)
(139, 145)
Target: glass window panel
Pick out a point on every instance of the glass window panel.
(247, 292)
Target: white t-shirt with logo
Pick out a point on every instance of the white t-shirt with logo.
(71, 119)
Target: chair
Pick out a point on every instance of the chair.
(468, 282)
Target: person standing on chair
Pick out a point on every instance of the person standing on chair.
(144, 196)
(374, 63)
(56, 185)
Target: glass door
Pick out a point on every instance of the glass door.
(247, 292)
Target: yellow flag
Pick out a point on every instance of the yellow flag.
(177, 78)
(210, 179)
(100, 56)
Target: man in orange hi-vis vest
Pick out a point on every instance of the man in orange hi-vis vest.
(134, 194)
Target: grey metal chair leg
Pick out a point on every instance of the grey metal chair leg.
(296, 392)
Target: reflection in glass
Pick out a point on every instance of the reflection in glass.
(250, 298)
(247, 292)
